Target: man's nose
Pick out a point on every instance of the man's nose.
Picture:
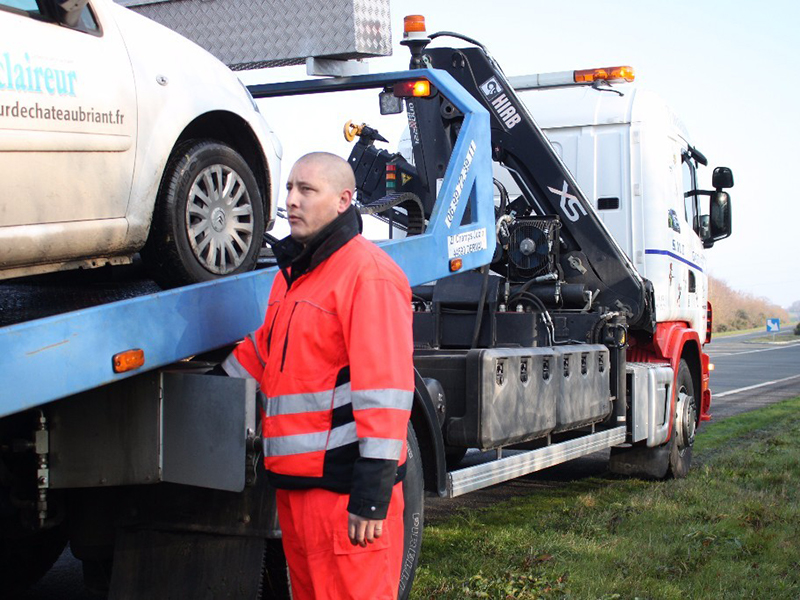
(291, 198)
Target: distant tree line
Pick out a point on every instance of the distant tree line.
(734, 310)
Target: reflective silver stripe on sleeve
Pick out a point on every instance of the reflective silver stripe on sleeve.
(399, 399)
(292, 404)
(252, 338)
(234, 368)
(386, 449)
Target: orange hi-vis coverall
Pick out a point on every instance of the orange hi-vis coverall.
(334, 360)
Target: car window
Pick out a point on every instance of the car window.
(27, 5)
(86, 23)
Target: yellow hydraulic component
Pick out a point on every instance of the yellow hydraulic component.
(351, 130)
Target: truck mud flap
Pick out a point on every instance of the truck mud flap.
(161, 564)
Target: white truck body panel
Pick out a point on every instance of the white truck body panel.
(625, 153)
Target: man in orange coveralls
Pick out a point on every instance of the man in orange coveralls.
(334, 361)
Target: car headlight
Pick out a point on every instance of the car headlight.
(249, 96)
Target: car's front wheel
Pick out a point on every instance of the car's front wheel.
(209, 216)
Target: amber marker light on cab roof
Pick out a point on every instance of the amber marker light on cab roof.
(128, 360)
(612, 74)
(413, 24)
(421, 88)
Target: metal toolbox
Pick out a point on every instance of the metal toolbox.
(510, 397)
(250, 34)
(158, 427)
(584, 396)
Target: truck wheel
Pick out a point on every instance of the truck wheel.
(413, 514)
(208, 220)
(685, 425)
(673, 458)
(25, 560)
(453, 457)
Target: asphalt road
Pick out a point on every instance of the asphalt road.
(748, 375)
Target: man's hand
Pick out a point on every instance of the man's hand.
(362, 531)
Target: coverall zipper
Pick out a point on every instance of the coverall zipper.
(286, 339)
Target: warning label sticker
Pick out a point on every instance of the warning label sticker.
(468, 242)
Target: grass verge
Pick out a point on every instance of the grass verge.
(786, 333)
(729, 530)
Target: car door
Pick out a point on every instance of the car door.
(67, 119)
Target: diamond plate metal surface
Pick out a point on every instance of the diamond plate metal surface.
(247, 34)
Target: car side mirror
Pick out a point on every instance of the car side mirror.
(71, 11)
(722, 178)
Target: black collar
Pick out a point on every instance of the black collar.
(302, 259)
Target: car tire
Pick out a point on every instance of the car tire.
(208, 220)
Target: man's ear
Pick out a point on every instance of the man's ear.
(345, 199)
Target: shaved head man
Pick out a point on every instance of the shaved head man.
(334, 361)
(321, 187)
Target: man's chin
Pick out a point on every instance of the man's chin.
(299, 236)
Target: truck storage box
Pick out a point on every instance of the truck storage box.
(584, 396)
(162, 426)
(250, 34)
(510, 397)
(649, 394)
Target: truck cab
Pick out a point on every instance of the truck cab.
(633, 158)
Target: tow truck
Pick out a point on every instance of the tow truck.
(537, 337)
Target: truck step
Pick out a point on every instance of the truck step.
(480, 476)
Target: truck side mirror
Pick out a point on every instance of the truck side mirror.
(719, 221)
(722, 178)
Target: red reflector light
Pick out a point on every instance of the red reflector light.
(420, 88)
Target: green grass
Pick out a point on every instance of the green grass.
(786, 333)
(731, 529)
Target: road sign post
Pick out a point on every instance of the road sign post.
(773, 327)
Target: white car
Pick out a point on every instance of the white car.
(119, 136)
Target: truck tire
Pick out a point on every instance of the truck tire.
(674, 458)
(413, 514)
(453, 457)
(208, 220)
(25, 560)
(685, 424)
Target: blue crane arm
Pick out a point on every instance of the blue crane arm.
(56, 357)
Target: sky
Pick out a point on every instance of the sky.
(728, 69)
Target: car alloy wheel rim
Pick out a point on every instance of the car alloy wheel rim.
(686, 420)
(219, 219)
